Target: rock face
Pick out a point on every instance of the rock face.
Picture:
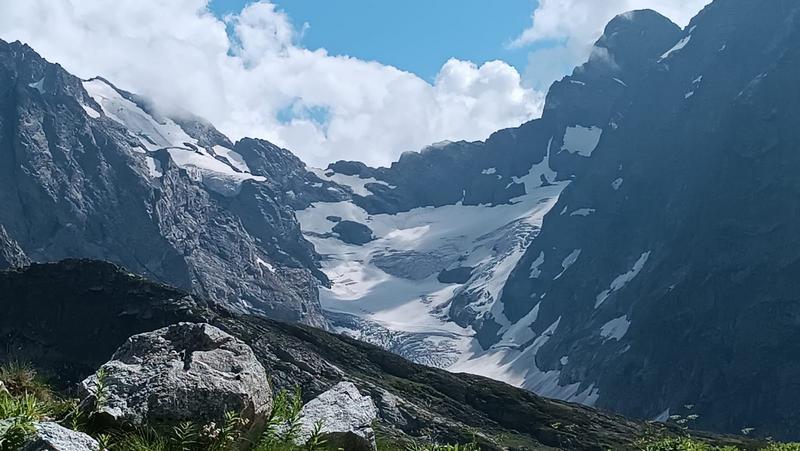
(90, 171)
(660, 269)
(67, 318)
(352, 232)
(53, 437)
(182, 372)
(346, 417)
(11, 256)
(667, 275)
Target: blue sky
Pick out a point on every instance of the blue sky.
(413, 35)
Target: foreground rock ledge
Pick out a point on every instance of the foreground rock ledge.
(184, 372)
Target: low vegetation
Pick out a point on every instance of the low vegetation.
(689, 444)
(27, 399)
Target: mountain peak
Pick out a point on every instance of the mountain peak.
(632, 37)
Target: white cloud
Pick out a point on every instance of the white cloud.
(250, 76)
(570, 27)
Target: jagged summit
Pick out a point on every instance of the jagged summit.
(632, 37)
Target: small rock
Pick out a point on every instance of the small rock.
(53, 437)
(3, 389)
(353, 232)
(184, 372)
(346, 417)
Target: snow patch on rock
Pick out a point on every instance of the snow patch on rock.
(582, 140)
(622, 280)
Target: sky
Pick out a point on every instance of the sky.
(330, 79)
(414, 35)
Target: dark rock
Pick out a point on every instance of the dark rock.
(456, 275)
(334, 218)
(353, 232)
(351, 168)
(685, 289)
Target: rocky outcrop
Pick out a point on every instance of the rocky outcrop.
(67, 318)
(90, 171)
(184, 372)
(352, 232)
(54, 437)
(11, 255)
(345, 416)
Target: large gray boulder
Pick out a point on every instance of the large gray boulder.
(53, 437)
(346, 417)
(179, 373)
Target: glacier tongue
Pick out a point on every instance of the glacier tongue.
(408, 311)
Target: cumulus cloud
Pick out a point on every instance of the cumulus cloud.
(566, 29)
(250, 75)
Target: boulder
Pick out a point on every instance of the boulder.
(53, 437)
(183, 372)
(346, 417)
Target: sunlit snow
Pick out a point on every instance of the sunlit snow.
(582, 140)
(616, 328)
(622, 280)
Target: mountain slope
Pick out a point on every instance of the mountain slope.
(683, 286)
(451, 222)
(87, 170)
(68, 318)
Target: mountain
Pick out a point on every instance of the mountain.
(633, 249)
(67, 319)
(88, 170)
(447, 225)
(678, 286)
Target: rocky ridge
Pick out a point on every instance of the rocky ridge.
(89, 170)
(69, 326)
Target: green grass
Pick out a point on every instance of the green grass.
(30, 399)
(690, 444)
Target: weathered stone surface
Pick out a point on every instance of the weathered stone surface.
(353, 232)
(346, 417)
(685, 291)
(73, 185)
(54, 437)
(182, 372)
(11, 255)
